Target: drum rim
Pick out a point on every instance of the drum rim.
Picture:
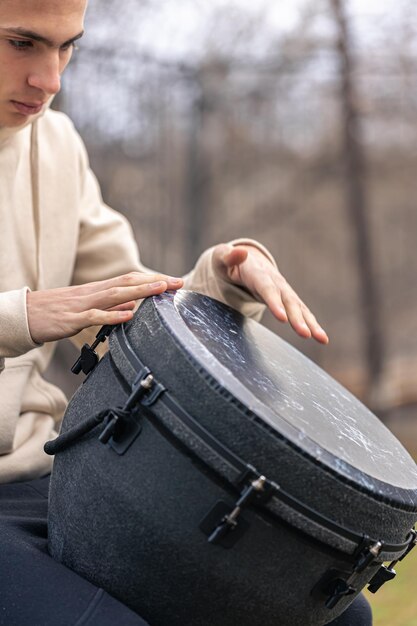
(397, 497)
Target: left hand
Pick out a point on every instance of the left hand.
(248, 267)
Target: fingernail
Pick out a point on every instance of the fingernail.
(175, 280)
(324, 335)
(155, 285)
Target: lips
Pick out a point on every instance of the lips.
(28, 108)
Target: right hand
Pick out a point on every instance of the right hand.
(57, 313)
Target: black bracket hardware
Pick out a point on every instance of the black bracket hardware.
(123, 425)
(88, 358)
(120, 425)
(224, 523)
(387, 572)
(109, 429)
(213, 520)
(336, 584)
(383, 575)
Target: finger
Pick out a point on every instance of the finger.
(236, 256)
(295, 315)
(172, 282)
(126, 306)
(132, 279)
(268, 292)
(117, 296)
(226, 257)
(316, 330)
(97, 317)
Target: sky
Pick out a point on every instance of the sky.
(169, 29)
(183, 30)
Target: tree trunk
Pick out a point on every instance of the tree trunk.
(357, 205)
(197, 180)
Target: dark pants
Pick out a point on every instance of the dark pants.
(35, 590)
(358, 614)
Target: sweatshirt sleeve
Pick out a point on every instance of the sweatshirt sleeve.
(205, 280)
(15, 338)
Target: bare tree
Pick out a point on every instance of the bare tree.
(196, 184)
(356, 198)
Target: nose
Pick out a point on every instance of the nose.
(46, 76)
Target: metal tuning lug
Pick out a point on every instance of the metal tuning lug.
(224, 523)
(145, 390)
(125, 424)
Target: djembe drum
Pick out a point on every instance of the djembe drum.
(209, 474)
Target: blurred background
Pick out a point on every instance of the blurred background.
(294, 123)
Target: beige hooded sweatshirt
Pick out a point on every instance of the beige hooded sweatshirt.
(55, 231)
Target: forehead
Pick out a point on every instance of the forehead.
(43, 16)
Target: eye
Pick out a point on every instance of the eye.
(68, 46)
(20, 44)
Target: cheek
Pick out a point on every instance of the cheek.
(8, 77)
(63, 62)
(12, 71)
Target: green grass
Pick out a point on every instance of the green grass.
(395, 604)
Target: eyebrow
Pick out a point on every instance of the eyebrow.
(36, 37)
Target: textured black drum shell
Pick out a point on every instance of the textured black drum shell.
(130, 523)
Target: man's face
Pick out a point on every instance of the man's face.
(36, 43)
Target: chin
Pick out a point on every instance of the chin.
(13, 121)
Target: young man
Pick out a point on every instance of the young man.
(69, 263)
(56, 233)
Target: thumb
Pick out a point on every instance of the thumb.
(226, 256)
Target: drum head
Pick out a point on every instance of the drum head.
(294, 397)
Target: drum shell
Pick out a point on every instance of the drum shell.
(130, 523)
